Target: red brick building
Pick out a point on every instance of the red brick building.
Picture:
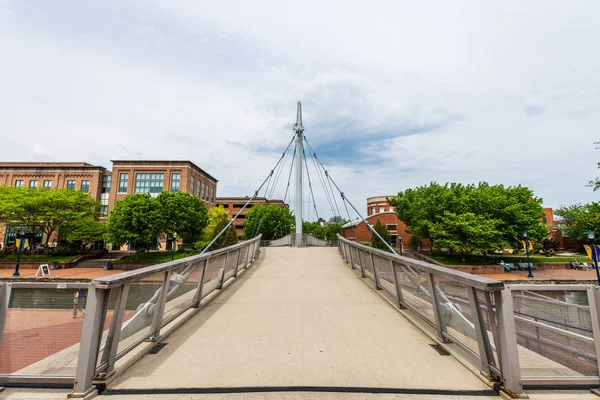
(378, 208)
(233, 205)
(127, 177)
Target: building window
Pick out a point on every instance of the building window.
(212, 195)
(85, 186)
(175, 182)
(33, 184)
(104, 204)
(106, 180)
(71, 185)
(123, 182)
(192, 186)
(391, 227)
(149, 183)
(198, 190)
(381, 209)
(47, 184)
(239, 206)
(372, 210)
(19, 183)
(225, 205)
(202, 190)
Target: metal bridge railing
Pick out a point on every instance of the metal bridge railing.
(297, 240)
(522, 335)
(122, 312)
(477, 325)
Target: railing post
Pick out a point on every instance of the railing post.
(237, 262)
(5, 289)
(351, 259)
(594, 303)
(397, 284)
(375, 274)
(483, 341)
(198, 295)
(362, 267)
(109, 354)
(508, 353)
(90, 342)
(224, 269)
(160, 308)
(248, 261)
(437, 310)
(221, 278)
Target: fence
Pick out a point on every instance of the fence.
(522, 335)
(297, 240)
(122, 312)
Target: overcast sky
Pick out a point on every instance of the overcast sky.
(395, 94)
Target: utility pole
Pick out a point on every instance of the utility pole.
(299, 129)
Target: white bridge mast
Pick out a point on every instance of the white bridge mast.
(299, 129)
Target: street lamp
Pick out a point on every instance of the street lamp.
(21, 242)
(527, 252)
(400, 243)
(173, 246)
(591, 236)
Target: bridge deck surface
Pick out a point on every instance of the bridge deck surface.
(298, 317)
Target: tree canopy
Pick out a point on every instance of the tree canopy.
(44, 210)
(218, 219)
(184, 214)
(325, 232)
(137, 219)
(269, 220)
(471, 218)
(384, 233)
(578, 219)
(86, 230)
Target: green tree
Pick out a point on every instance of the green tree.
(22, 207)
(468, 233)
(137, 219)
(218, 219)
(269, 220)
(315, 229)
(184, 214)
(577, 219)
(383, 232)
(435, 212)
(86, 230)
(62, 207)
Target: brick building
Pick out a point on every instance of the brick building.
(378, 208)
(234, 204)
(127, 177)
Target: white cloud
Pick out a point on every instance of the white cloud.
(413, 92)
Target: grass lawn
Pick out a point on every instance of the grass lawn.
(155, 257)
(35, 259)
(456, 259)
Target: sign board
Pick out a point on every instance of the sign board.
(61, 286)
(43, 269)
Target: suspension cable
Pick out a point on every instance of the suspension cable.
(310, 185)
(248, 202)
(290, 176)
(351, 205)
(322, 180)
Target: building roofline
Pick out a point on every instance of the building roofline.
(378, 197)
(246, 198)
(31, 164)
(358, 221)
(168, 162)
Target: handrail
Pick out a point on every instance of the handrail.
(111, 281)
(478, 282)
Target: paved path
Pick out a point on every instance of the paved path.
(299, 317)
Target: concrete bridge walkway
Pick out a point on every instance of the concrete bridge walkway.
(298, 317)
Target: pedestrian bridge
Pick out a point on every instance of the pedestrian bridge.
(346, 319)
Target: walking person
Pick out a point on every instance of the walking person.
(79, 301)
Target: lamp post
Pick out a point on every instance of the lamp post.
(400, 247)
(173, 246)
(591, 236)
(530, 275)
(21, 241)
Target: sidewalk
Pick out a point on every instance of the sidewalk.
(544, 275)
(68, 273)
